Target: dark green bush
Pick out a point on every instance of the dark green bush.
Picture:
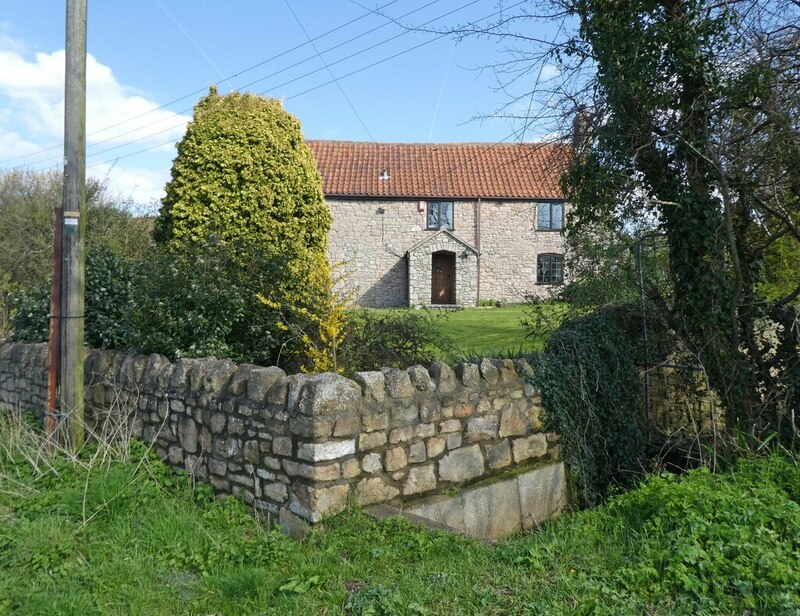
(201, 300)
(590, 387)
(392, 339)
(716, 543)
(107, 304)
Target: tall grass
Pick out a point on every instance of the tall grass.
(111, 530)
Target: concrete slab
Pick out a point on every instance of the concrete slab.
(491, 511)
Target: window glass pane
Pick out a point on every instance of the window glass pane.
(558, 216)
(446, 213)
(433, 216)
(544, 216)
(541, 269)
(558, 268)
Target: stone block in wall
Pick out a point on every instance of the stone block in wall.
(420, 479)
(469, 375)
(237, 385)
(278, 394)
(435, 446)
(444, 377)
(371, 440)
(464, 409)
(489, 371)
(226, 447)
(404, 415)
(372, 463)
(374, 419)
(372, 385)
(315, 472)
(374, 490)
(533, 446)
(420, 379)
(331, 450)
(348, 424)
(275, 491)
(498, 455)
(398, 383)
(451, 425)
(482, 428)
(282, 446)
(395, 459)
(430, 409)
(462, 465)
(260, 382)
(416, 453)
(314, 503)
(513, 423)
(328, 394)
(351, 468)
(524, 369)
(187, 434)
(507, 371)
(156, 374)
(311, 427)
(180, 377)
(401, 435)
(131, 371)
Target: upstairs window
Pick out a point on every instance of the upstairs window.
(440, 215)
(550, 269)
(550, 217)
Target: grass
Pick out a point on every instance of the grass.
(100, 535)
(488, 332)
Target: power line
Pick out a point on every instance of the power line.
(330, 72)
(312, 72)
(201, 90)
(279, 71)
(354, 72)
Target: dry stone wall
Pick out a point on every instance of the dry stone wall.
(306, 445)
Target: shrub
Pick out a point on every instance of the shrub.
(202, 301)
(107, 304)
(392, 339)
(243, 171)
(591, 390)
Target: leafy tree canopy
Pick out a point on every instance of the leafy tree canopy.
(243, 171)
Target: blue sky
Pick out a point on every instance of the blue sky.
(150, 60)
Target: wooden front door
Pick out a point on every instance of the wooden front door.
(443, 277)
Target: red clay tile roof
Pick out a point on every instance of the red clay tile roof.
(440, 170)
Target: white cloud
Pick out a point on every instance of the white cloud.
(141, 186)
(32, 120)
(32, 97)
(36, 89)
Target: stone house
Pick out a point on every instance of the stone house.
(444, 224)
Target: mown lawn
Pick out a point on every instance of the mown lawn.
(492, 331)
(112, 537)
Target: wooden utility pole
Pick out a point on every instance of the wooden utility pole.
(74, 223)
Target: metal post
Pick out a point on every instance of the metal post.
(643, 305)
(74, 223)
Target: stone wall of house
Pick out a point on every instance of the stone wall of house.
(419, 271)
(370, 239)
(306, 445)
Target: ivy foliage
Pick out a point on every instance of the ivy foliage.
(243, 171)
(590, 386)
(692, 128)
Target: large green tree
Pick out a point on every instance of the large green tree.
(243, 171)
(245, 193)
(689, 131)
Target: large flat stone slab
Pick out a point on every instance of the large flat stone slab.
(520, 502)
